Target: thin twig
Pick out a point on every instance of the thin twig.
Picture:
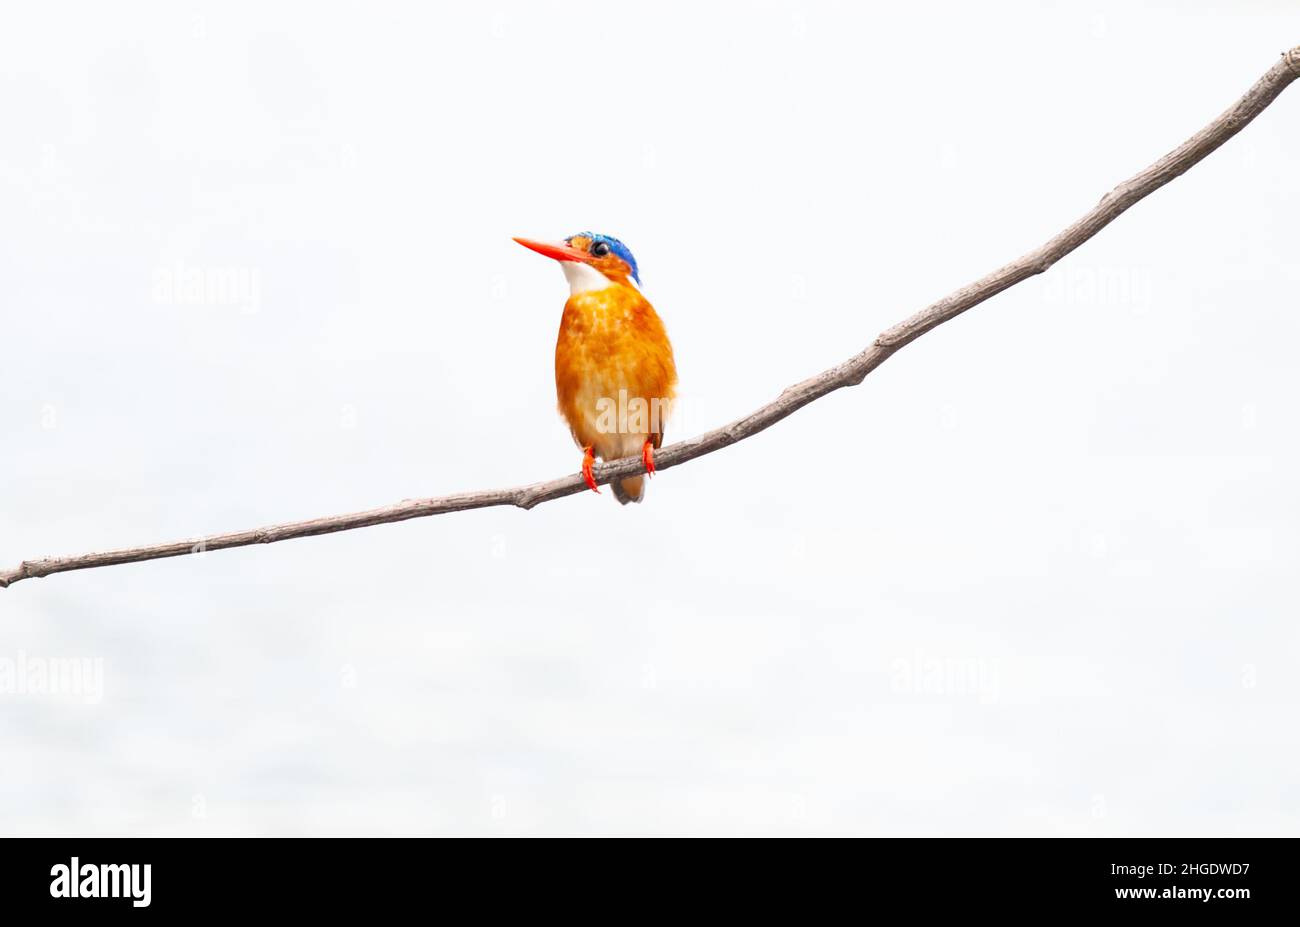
(849, 373)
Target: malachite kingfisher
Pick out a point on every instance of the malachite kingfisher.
(615, 379)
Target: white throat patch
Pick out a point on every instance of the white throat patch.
(583, 278)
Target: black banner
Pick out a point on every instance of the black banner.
(143, 877)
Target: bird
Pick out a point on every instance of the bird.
(615, 377)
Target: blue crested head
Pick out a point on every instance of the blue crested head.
(599, 246)
(585, 252)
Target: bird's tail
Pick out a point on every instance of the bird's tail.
(631, 489)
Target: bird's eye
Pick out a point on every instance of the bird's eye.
(600, 249)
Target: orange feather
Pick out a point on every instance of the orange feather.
(614, 374)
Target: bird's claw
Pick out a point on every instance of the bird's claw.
(648, 457)
(588, 458)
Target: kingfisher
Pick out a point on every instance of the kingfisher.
(615, 379)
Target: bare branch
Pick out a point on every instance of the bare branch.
(849, 373)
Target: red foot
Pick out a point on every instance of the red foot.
(588, 458)
(648, 457)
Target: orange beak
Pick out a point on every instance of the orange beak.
(560, 251)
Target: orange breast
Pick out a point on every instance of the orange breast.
(614, 372)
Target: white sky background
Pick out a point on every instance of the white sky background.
(1036, 576)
